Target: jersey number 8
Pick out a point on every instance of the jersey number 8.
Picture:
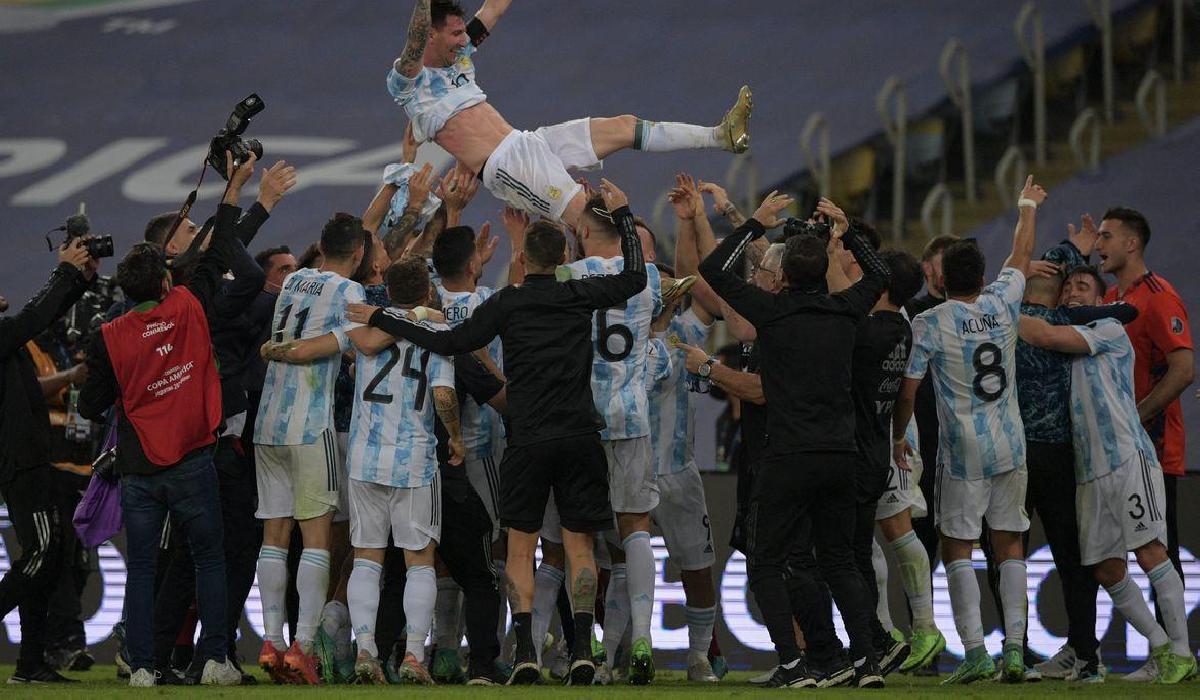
(991, 366)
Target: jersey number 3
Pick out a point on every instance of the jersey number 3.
(989, 367)
(417, 373)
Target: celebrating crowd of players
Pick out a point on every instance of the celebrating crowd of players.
(425, 432)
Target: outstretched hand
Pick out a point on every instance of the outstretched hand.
(613, 197)
(485, 245)
(767, 213)
(839, 223)
(719, 195)
(1033, 192)
(1084, 238)
(274, 183)
(419, 187)
(409, 149)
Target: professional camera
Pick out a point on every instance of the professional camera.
(800, 227)
(78, 226)
(230, 137)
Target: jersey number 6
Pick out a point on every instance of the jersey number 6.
(605, 331)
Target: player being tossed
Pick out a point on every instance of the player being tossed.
(434, 81)
(1120, 482)
(969, 343)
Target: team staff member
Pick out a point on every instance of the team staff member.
(156, 364)
(25, 475)
(546, 330)
(807, 339)
(1163, 358)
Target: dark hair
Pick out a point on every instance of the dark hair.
(545, 244)
(598, 217)
(805, 261)
(342, 235)
(439, 10)
(363, 271)
(867, 231)
(937, 244)
(140, 273)
(158, 227)
(263, 258)
(963, 267)
(452, 251)
(408, 281)
(906, 279)
(1133, 219)
(639, 221)
(309, 257)
(665, 269)
(1091, 271)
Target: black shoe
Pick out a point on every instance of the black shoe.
(526, 670)
(583, 672)
(83, 661)
(39, 674)
(868, 676)
(891, 654)
(792, 675)
(838, 673)
(488, 674)
(169, 676)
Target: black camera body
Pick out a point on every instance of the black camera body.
(98, 247)
(800, 227)
(230, 138)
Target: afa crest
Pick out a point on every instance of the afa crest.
(553, 192)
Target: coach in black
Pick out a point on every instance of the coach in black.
(806, 337)
(553, 439)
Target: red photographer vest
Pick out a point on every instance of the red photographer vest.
(170, 388)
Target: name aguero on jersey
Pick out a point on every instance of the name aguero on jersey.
(300, 285)
(982, 324)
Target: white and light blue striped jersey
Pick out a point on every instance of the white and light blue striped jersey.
(672, 406)
(479, 423)
(297, 400)
(392, 439)
(1104, 417)
(436, 94)
(620, 335)
(971, 351)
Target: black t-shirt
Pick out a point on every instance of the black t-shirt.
(881, 346)
(471, 379)
(754, 416)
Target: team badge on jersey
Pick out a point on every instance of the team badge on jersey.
(553, 192)
(1177, 325)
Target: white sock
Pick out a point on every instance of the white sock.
(1014, 600)
(1128, 599)
(914, 575)
(312, 583)
(964, 601)
(447, 612)
(641, 575)
(673, 136)
(546, 583)
(700, 623)
(272, 589)
(879, 564)
(1168, 587)
(502, 618)
(616, 611)
(363, 593)
(420, 592)
(335, 620)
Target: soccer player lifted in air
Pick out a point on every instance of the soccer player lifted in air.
(434, 81)
(1120, 483)
(969, 343)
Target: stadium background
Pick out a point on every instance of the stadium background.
(111, 102)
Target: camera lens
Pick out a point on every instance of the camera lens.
(255, 147)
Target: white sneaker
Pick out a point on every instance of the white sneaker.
(1060, 666)
(764, 678)
(1146, 674)
(699, 669)
(220, 673)
(143, 678)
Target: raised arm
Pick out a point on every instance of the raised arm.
(488, 16)
(1032, 197)
(410, 62)
(66, 284)
(609, 290)
(472, 334)
(719, 268)
(693, 241)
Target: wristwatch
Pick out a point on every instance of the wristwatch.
(706, 369)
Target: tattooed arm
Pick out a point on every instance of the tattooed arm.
(409, 63)
(446, 403)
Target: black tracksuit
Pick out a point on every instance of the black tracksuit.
(25, 479)
(806, 338)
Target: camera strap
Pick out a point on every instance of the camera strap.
(186, 256)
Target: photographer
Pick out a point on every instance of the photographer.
(156, 364)
(25, 476)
